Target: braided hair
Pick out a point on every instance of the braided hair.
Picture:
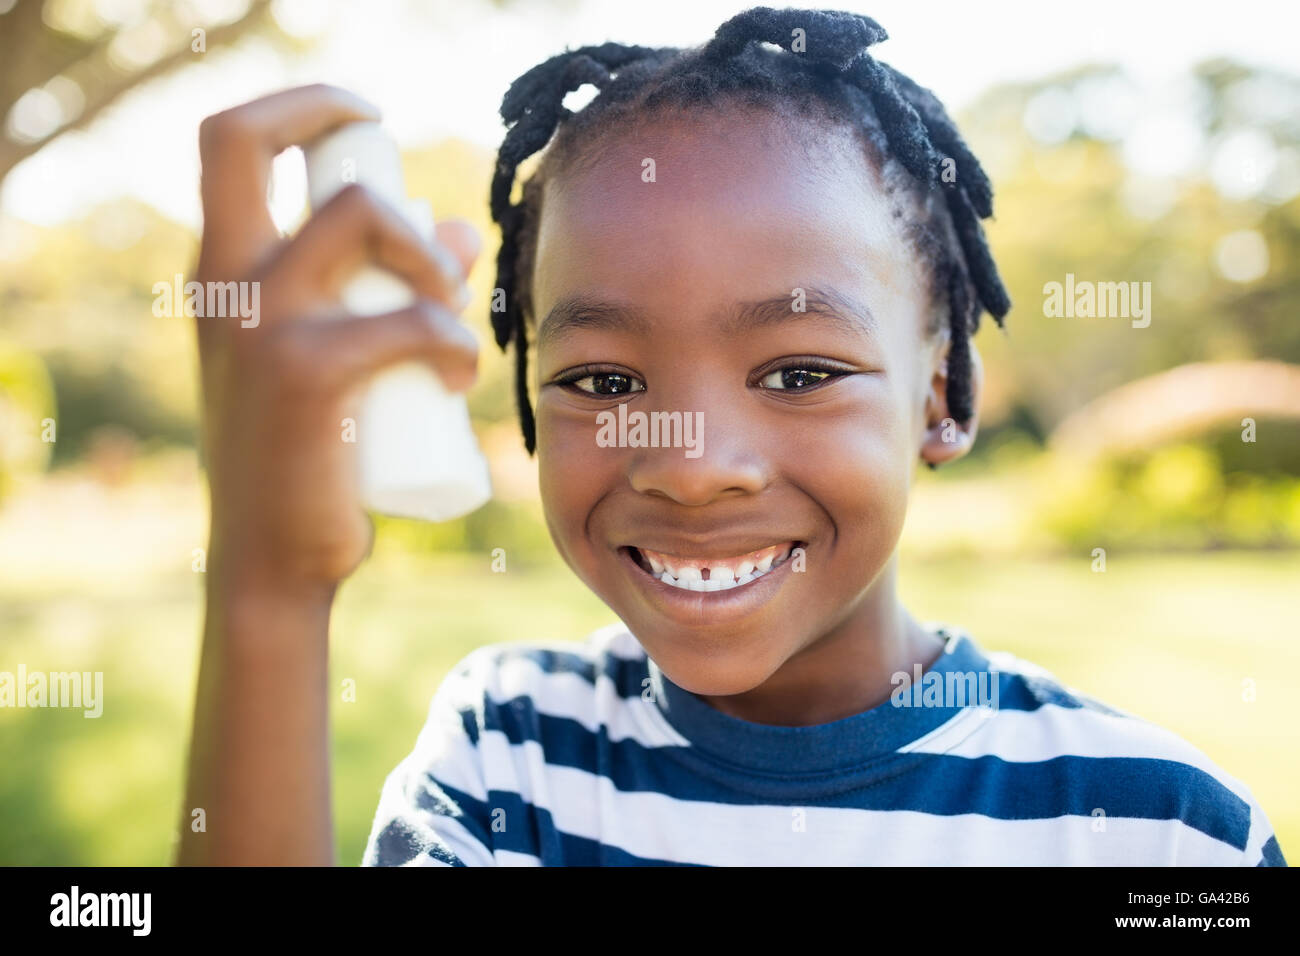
(756, 59)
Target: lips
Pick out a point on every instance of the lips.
(711, 573)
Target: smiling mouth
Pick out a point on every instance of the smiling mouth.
(712, 574)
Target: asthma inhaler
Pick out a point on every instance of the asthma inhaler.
(416, 450)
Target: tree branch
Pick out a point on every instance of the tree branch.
(101, 82)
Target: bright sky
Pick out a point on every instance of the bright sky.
(440, 68)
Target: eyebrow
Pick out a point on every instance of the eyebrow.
(826, 305)
(585, 312)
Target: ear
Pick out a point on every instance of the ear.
(945, 439)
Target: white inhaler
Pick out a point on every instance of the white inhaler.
(416, 450)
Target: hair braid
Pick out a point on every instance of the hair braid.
(533, 107)
(836, 37)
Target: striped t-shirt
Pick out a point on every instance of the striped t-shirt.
(587, 754)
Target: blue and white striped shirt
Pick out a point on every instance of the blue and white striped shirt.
(586, 754)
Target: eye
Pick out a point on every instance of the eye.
(601, 382)
(799, 378)
(793, 378)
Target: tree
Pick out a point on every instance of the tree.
(59, 74)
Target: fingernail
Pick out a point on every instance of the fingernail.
(464, 297)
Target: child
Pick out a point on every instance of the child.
(783, 247)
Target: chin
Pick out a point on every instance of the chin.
(709, 668)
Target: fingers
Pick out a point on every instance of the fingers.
(335, 353)
(464, 241)
(356, 228)
(236, 148)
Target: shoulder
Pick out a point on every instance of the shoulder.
(475, 759)
(507, 670)
(550, 690)
(1122, 770)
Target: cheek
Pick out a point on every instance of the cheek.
(856, 464)
(571, 479)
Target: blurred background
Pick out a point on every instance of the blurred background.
(1152, 143)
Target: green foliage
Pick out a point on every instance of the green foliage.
(26, 400)
(1075, 207)
(92, 396)
(515, 527)
(1175, 497)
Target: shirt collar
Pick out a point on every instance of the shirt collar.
(839, 745)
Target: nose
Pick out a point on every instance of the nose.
(725, 462)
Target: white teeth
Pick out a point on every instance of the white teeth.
(723, 582)
(721, 578)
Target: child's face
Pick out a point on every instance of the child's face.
(738, 213)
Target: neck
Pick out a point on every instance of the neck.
(845, 671)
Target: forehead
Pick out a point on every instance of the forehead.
(741, 203)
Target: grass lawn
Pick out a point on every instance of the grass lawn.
(1171, 639)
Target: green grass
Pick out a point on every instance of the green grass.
(1168, 638)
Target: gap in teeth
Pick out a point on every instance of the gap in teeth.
(732, 572)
